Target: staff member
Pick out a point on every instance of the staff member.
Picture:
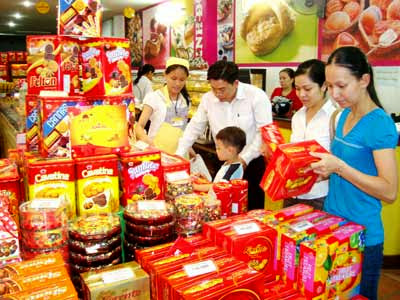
(142, 84)
(167, 107)
(233, 103)
(287, 89)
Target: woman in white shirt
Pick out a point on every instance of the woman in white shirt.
(311, 122)
(168, 105)
(142, 84)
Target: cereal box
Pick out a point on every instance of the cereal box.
(296, 231)
(123, 281)
(288, 173)
(272, 137)
(97, 184)
(330, 266)
(55, 135)
(98, 130)
(79, 17)
(141, 176)
(53, 179)
(32, 122)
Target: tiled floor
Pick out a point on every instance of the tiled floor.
(389, 285)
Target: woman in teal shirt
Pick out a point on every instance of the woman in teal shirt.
(362, 168)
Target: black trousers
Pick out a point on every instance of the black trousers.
(253, 174)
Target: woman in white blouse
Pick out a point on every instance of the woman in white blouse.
(311, 122)
(142, 84)
(167, 106)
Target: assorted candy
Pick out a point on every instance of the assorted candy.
(190, 213)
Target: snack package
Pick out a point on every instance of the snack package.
(106, 67)
(9, 237)
(79, 18)
(211, 228)
(190, 214)
(32, 114)
(177, 184)
(10, 188)
(240, 199)
(54, 180)
(271, 137)
(223, 192)
(69, 65)
(97, 184)
(288, 173)
(330, 266)
(4, 72)
(18, 70)
(173, 163)
(55, 133)
(98, 130)
(3, 58)
(141, 176)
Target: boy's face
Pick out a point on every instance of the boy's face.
(224, 151)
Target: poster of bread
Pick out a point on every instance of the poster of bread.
(372, 25)
(273, 31)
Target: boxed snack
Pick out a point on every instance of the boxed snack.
(271, 137)
(173, 163)
(239, 188)
(3, 58)
(124, 281)
(98, 130)
(11, 56)
(4, 72)
(10, 188)
(211, 228)
(223, 192)
(69, 65)
(9, 244)
(20, 56)
(106, 67)
(296, 231)
(97, 184)
(18, 70)
(55, 133)
(141, 176)
(288, 173)
(277, 289)
(330, 266)
(176, 184)
(79, 18)
(52, 179)
(32, 122)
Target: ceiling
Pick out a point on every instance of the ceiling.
(32, 22)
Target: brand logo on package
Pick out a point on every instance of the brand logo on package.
(54, 119)
(142, 169)
(252, 251)
(97, 172)
(32, 119)
(92, 52)
(49, 177)
(116, 55)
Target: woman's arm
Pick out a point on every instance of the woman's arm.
(384, 186)
(139, 128)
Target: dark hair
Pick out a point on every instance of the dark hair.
(143, 70)
(225, 70)
(232, 136)
(184, 91)
(314, 69)
(353, 59)
(290, 73)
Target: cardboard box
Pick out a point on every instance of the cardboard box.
(32, 114)
(288, 173)
(272, 137)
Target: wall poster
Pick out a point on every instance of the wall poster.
(133, 29)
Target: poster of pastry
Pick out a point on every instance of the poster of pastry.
(156, 40)
(275, 31)
(225, 14)
(133, 29)
(182, 38)
(372, 25)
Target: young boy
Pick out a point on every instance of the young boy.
(229, 142)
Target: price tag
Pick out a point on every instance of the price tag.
(92, 250)
(235, 208)
(177, 176)
(200, 268)
(246, 228)
(141, 145)
(151, 205)
(45, 203)
(117, 275)
(301, 226)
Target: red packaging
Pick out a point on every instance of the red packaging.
(277, 289)
(10, 187)
(223, 192)
(20, 56)
(18, 70)
(3, 58)
(11, 56)
(210, 229)
(79, 18)
(141, 176)
(4, 72)
(288, 173)
(32, 122)
(69, 65)
(240, 200)
(272, 137)
(106, 67)
(55, 135)
(9, 244)
(173, 163)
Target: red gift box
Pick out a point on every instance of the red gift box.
(272, 137)
(240, 188)
(223, 192)
(10, 185)
(288, 173)
(32, 114)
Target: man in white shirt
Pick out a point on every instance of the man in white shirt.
(233, 103)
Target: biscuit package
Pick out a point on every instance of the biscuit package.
(10, 191)
(53, 179)
(55, 137)
(32, 122)
(272, 137)
(79, 17)
(69, 65)
(288, 173)
(97, 184)
(9, 244)
(141, 176)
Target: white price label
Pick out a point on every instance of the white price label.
(177, 176)
(301, 226)
(45, 203)
(235, 208)
(151, 205)
(117, 275)
(92, 249)
(246, 228)
(21, 139)
(200, 268)
(141, 145)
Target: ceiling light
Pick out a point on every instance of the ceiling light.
(17, 15)
(27, 3)
(11, 24)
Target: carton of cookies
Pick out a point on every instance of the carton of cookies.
(32, 122)
(97, 184)
(79, 17)
(69, 65)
